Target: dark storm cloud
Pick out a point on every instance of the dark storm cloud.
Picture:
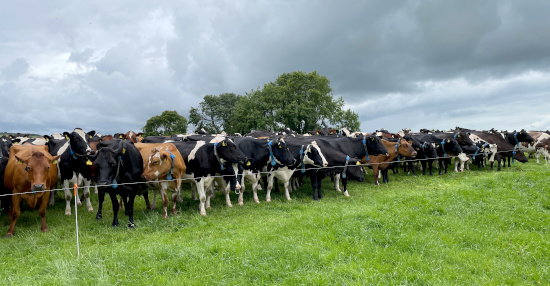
(110, 66)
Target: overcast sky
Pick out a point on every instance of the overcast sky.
(109, 66)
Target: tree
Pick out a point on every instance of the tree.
(300, 101)
(166, 124)
(214, 112)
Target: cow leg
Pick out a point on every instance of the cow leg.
(240, 200)
(193, 192)
(345, 186)
(319, 183)
(456, 165)
(121, 204)
(287, 190)
(146, 198)
(68, 197)
(42, 211)
(101, 197)
(314, 182)
(164, 196)
(86, 195)
(430, 165)
(114, 201)
(337, 182)
(423, 164)
(270, 178)
(375, 170)
(130, 208)
(14, 213)
(255, 186)
(202, 196)
(52, 198)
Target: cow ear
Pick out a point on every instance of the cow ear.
(67, 135)
(21, 160)
(448, 140)
(224, 143)
(54, 159)
(91, 133)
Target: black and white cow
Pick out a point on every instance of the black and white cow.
(515, 138)
(505, 149)
(262, 154)
(204, 160)
(119, 167)
(74, 164)
(446, 149)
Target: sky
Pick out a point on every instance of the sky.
(109, 66)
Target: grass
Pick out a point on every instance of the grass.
(477, 227)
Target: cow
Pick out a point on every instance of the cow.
(530, 148)
(515, 138)
(163, 161)
(262, 154)
(119, 167)
(203, 160)
(74, 164)
(30, 174)
(337, 161)
(5, 144)
(446, 149)
(382, 162)
(505, 149)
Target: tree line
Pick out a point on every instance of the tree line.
(300, 101)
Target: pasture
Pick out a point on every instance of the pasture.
(471, 228)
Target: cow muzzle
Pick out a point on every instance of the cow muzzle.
(38, 187)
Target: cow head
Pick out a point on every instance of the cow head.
(281, 152)
(5, 144)
(314, 156)
(375, 145)
(449, 147)
(158, 164)
(107, 162)
(404, 148)
(228, 151)
(37, 166)
(80, 141)
(354, 171)
(463, 138)
(429, 150)
(523, 136)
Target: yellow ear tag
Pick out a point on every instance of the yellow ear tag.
(54, 162)
(448, 141)
(280, 146)
(437, 146)
(66, 137)
(248, 163)
(15, 143)
(120, 136)
(358, 163)
(123, 150)
(89, 163)
(90, 136)
(47, 140)
(19, 162)
(224, 144)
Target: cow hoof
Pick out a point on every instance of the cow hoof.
(115, 225)
(241, 204)
(67, 212)
(229, 205)
(131, 225)
(79, 203)
(203, 213)
(98, 217)
(90, 209)
(257, 201)
(45, 229)
(9, 235)
(346, 194)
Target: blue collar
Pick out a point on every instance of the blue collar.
(365, 146)
(345, 167)
(269, 144)
(302, 159)
(216, 154)
(172, 156)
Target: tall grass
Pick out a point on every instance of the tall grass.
(476, 227)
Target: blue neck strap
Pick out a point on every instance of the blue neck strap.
(172, 156)
(365, 146)
(269, 144)
(302, 159)
(345, 167)
(443, 147)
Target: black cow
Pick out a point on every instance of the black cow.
(118, 167)
(5, 144)
(204, 160)
(446, 149)
(74, 164)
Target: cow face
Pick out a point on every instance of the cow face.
(314, 156)
(354, 170)
(463, 138)
(451, 147)
(5, 144)
(38, 167)
(282, 153)
(158, 164)
(429, 150)
(404, 148)
(106, 164)
(80, 141)
(228, 151)
(375, 145)
(523, 136)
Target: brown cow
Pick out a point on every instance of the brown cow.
(163, 161)
(382, 162)
(30, 174)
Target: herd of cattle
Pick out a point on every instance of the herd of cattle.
(128, 164)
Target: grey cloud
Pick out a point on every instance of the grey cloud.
(15, 69)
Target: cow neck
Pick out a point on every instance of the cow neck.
(173, 157)
(424, 150)
(269, 146)
(302, 159)
(216, 154)
(365, 146)
(443, 148)
(397, 153)
(345, 167)
(119, 163)
(474, 157)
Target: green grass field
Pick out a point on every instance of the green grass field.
(474, 228)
